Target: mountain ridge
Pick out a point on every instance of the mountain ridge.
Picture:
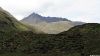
(36, 17)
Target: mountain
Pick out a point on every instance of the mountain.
(50, 25)
(36, 18)
(87, 34)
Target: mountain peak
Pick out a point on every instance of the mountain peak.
(34, 14)
(34, 17)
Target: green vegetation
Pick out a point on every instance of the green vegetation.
(26, 42)
(90, 34)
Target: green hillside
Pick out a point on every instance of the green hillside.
(9, 23)
(89, 34)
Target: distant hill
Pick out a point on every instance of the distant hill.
(50, 25)
(54, 27)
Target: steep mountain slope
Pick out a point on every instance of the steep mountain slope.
(9, 23)
(89, 34)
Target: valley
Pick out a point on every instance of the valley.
(20, 39)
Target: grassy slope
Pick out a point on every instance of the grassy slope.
(8, 22)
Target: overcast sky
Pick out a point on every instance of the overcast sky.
(76, 10)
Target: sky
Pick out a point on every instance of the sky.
(75, 10)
